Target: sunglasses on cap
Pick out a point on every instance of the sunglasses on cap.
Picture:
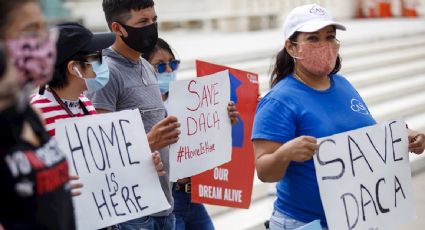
(173, 64)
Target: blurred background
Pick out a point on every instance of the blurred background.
(231, 15)
(383, 54)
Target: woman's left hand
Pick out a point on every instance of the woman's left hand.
(233, 112)
(416, 141)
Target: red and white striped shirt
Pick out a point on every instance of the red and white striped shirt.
(53, 111)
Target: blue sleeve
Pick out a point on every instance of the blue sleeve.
(274, 121)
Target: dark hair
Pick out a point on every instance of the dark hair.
(160, 45)
(285, 64)
(7, 7)
(60, 79)
(119, 10)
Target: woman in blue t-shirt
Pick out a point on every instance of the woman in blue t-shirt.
(308, 100)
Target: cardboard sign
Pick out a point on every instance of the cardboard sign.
(231, 184)
(205, 140)
(111, 155)
(364, 177)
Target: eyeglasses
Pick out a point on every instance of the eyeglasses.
(95, 58)
(173, 64)
(44, 34)
(92, 63)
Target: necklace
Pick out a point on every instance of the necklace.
(134, 64)
(302, 81)
(299, 79)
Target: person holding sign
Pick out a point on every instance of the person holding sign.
(307, 100)
(34, 180)
(133, 85)
(78, 54)
(188, 215)
(78, 68)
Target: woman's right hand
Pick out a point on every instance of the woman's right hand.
(273, 158)
(299, 149)
(75, 186)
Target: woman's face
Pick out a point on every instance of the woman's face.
(316, 52)
(26, 20)
(161, 56)
(31, 46)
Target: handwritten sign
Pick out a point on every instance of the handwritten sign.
(230, 184)
(205, 140)
(364, 177)
(111, 155)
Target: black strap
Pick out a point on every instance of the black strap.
(58, 100)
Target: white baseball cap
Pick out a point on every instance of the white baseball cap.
(308, 18)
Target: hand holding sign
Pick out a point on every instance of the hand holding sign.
(164, 133)
(159, 166)
(416, 141)
(299, 149)
(75, 185)
(233, 112)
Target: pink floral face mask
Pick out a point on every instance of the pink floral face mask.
(318, 58)
(34, 58)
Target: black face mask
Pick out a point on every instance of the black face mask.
(142, 40)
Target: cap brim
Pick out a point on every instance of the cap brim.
(313, 26)
(100, 41)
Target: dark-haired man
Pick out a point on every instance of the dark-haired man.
(133, 85)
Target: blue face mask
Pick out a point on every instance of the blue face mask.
(102, 76)
(164, 80)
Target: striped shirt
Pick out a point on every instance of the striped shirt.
(53, 111)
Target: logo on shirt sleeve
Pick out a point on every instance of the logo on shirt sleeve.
(358, 106)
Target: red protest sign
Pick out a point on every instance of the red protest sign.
(231, 184)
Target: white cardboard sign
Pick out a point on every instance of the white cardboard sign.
(205, 141)
(111, 155)
(364, 177)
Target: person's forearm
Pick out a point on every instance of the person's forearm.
(271, 167)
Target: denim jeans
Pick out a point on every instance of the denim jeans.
(280, 221)
(190, 215)
(149, 223)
